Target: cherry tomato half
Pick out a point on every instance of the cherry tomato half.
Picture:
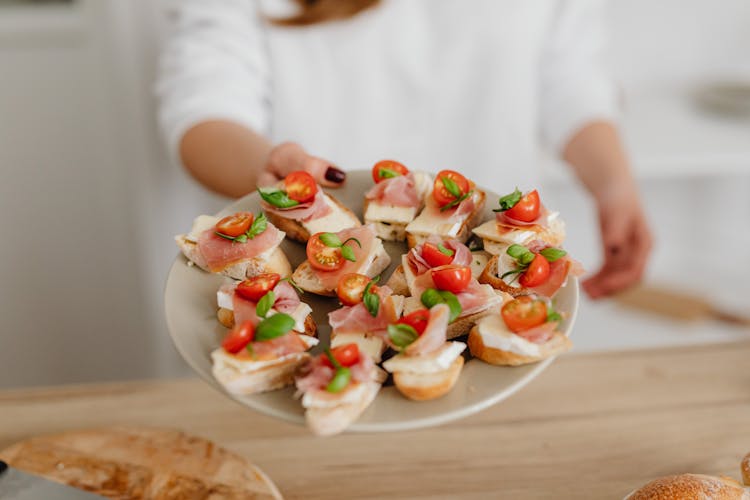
(300, 186)
(322, 257)
(238, 337)
(434, 257)
(440, 192)
(351, 288)
(524, 313)
(417, 320)
(454, 279)
(235, 225)
(347, 355)
(527, 209)
(256, 287)
(390, 168)
(537, 272)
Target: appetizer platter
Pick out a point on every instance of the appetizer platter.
(401, 300)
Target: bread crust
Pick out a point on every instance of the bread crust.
(397, 282)
(491, 277)
(423, 387)
(683, 486)
(558, 344)
(745, 467)
(389, 231)
(226, 318)
(265, 379)
(459, 327)
(464, 232)
(295, 230)
(277, 262)
(329, 421)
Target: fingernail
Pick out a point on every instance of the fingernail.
(336, 175)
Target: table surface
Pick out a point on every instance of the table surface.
(591, 426)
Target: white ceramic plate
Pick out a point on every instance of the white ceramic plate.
(190, 303)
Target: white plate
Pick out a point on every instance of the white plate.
(190, 303)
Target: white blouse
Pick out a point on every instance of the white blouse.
(477, 86)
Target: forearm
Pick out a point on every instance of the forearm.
(225, 156)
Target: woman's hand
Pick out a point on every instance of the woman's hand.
(289, 157)
(626, 242)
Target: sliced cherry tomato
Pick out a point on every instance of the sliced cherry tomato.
(417, 320)
(434, 257)
(300, 186)
(454, 279)
(524, 313)
(235, 225)
(257, 286)
(322, 257)
(347, 355)
(537, 272)
(238, 337)
(440, 192)
(351, 288)
(527, 209)
(386, 169)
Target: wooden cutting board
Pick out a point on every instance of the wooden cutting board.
(134, 462)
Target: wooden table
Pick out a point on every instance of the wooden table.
(591, 426)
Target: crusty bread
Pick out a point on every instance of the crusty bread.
(413, 239)
(268, 378)
(425, 386)
(295, 230)
(389, 231)
(745, 467)
(226, 318)
(397, 282)
(329, 421)
(460, 326)
(276, 262)
(304, 276)
(558, 344)
(494, 243)
(685, 486)
(491, 277)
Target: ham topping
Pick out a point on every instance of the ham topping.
(461, 257)
(304, 211)
(400, 191)
(220, 253)
(476, 297)
(357, 319)
(506, 223)
(434, 335)
(366, 236)
(287, 344)
(539, 334)
(317, 374)
(286, 301)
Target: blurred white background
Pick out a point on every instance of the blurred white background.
(89, 202)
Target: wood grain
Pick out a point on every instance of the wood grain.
(591, 426)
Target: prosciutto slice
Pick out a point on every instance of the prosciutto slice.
(366, 236)
(357, 319)
(286, 301)
(539, 334)
(476, 297)
(400, 191)
(461, 256)
(304, 211)
(537, 224)
(318, 374)
(287, 344)
(434, 335)
(220, 253)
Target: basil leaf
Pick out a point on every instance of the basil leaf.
(526, 258)
(217, 233)
(355, 240)
(445, 251)
(509, 201)
(453, 304)
(277, 198)
(241, 238)
(510, 273)
(330, 240)
(387, 173)
(294, 284)
(249, 348)
(451, 186)
(402, 335)
(431, 297)
(516, 251)
(259, 225)
(273, 326)
(332, 358)
(552, 254)
(340, 380)
(371, 300)
(455, 202)
(265, 304)
(554, 316)
(348, 253)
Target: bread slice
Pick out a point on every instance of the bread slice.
(333, 420)
(389, 231)
(276, 262)
(490, 276)
(496, 243)
(226, 318)
(297, 231)
(397, 282)
(426, 386)
(558, 344)
(688, 486)
(413, 239)
(745, 467)
(304, 276)
(267, 378)
(393, 228)
(460, 326)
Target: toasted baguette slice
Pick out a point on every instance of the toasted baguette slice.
(266, 378)
(276, 262)
(745, 467)
(496, 243)
(226, 318)
(460, 325)
(397, 282)
(416, 235)
(390, 222)
(333, 420)
(426, 386)
(301, 231)
(491, 276)
(386, 230)
(304, 276)
(558, 344)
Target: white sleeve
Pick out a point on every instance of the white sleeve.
(575, 87)
(214, 65)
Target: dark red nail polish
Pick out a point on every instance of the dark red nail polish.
(336, 175)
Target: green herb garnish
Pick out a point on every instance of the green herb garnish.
(332, 240)
(552, 254)
(455, 202)
(274, 326)
(260, 223)
(445, 251)
(387, 173)
(432, 297)
(402, 335)
(371, 300)
(277, 198)
(524, 257)
(509, 201)
(342, 376)
(264, 304)
(451, 186)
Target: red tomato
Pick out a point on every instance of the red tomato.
(394, 167)
(417, 320)
(347, 355)
(527, 209)
(524, 313)
(537, 272)
(322, 257)
(238, 337)
(300, 186)
(434, 257)
(441, 194)
(351, 288)
(452, 278)
(257, 286)
(235, 225)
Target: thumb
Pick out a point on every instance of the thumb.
(290, 157)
